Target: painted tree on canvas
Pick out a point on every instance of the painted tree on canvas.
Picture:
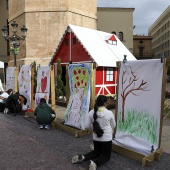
(131, 85)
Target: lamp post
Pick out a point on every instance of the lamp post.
(14, 39)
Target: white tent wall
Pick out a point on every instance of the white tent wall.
(1, 64)
(2, 76)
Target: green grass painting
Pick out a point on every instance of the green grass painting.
(139, 124)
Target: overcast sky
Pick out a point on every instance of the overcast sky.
(145, 14)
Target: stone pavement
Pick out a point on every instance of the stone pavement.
(25, 147)
(165, 141)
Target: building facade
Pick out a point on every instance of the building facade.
(4, 50)
(46, 23)
(142, 47)
(118, 21)
(160, 31)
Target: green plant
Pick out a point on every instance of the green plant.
(140, 124)
(59, 86)
(35, 77)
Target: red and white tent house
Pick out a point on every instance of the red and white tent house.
(85, 45)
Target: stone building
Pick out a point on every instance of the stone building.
(142, 47)
(46, 21)
(4, 52)
(160, 31)
(118, 21)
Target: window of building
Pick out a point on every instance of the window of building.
(121, 36)
(66, 42)
(141, 42)
(141, 49)
(109, 74)
(113, 32)
(74, 40)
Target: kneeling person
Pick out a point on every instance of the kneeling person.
(44, 114)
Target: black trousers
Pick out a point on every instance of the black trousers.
(101, 152)
(14, 109)
(2, 107)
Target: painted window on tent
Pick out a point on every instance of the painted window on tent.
(109, 74)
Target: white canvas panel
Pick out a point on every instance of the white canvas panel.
(1, 64)
(43, 79)
(10, 78)
(78, 106)
(38, 96)
(24, 83)
(139, 105)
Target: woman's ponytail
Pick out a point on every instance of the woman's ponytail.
(96, 127)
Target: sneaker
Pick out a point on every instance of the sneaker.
(92, 166)
(47, 127)
(6, 111)
(77, 159)
(41, 127)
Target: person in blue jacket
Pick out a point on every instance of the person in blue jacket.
(44, 114)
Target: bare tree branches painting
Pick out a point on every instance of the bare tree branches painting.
(139, 105)
(131, 87)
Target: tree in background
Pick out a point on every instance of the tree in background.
(59, 86)
(35, 77)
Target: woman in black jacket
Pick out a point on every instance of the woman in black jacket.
(13, 103)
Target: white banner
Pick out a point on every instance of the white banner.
(139, 105)
(78, 106)
(10, 78)
(43, 84)
(43, 79)
(24, 82)
(38, 96)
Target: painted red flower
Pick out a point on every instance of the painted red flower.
(77, 77)
(78, 83)
(84, 72)
(79, 71)
(75, 85)
(82, 81)
(85, 84)
(75, 72)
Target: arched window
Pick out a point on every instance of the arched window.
(121, 36)
(113, 32)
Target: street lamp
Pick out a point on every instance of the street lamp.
(14, 39)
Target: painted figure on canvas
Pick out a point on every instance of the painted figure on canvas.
(10, 78)
(24, 82)
(43, 82)
(75, 109)
(78, 106)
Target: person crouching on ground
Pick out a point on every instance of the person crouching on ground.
(13, 104)
(103, 123)
(3, 98)
(44, 114)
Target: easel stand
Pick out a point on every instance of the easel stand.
(155, 155)
(29, 114)
(71, 130)
(145, 160)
